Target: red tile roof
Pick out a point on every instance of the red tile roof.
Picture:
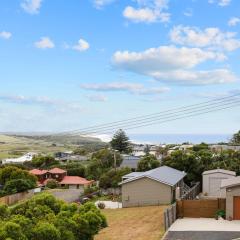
(57, 171)
(75, 180)
(37, 172)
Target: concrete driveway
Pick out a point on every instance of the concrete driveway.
(203, 229)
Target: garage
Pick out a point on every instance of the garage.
(236, 207)
(232, 187)
(212, 182)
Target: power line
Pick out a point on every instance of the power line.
(152, 116)
(166, 118)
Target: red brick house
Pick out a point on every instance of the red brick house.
(60, 175)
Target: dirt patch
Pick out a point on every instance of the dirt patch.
(145, 223)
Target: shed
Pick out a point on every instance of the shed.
(212, 182)
(152, 187)
(232, 186)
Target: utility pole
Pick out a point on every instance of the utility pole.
(115, 160)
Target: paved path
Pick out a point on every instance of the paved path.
(203, 229)
(202, 235)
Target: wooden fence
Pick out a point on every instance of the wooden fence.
(170, 216)
(205, 208)
(14, 198)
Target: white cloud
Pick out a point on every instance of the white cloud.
(174, 65)
(163, 58)
(222, 3)
(188, 12)
(44, 43)
(134, 88)
(209, 37)
(44, 101)
(101, 3)
(148, 11)
(5, 35)
(31, 6)
(233, 21)
(82, 45)
(216, 76)
(97, 98)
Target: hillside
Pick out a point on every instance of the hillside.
(14, 145)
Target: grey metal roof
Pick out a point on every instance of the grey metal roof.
(164, 174)
(218, 170)
(230, 182)
(132, 174)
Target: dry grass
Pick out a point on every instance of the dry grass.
(145, 223)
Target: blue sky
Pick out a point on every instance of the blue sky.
(71, 64)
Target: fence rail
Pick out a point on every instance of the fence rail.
(204, 208)
(170, 216)
(14, 198)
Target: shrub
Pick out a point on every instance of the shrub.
(52, 184)
(101, 205)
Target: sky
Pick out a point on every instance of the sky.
(70, 64)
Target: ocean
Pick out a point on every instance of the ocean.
(179, 138)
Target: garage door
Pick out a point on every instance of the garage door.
(236, 208)
(214, 186)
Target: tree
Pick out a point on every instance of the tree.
(236, 138)
(148, 162)
(147, 149)
(120, 142)
(45, 217)
(201, 146)
(16, 180)
(112, 178)
(75, 169)
(43, 161)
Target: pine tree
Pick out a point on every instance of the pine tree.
(120, 142)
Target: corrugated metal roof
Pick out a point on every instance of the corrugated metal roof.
(219, 171)
(164, 174)
(230, 182)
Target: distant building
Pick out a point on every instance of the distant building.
(220, 148)
(25, 158)
(130, 161)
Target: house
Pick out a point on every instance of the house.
(130, 161)
(60, 175)
(57, 173)
(212, 182)
(63, 154)
(232, 187)
(75, 182)
(25, 158)
(154, 187)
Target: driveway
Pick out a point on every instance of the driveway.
(203, 229)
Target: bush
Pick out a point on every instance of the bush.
(52, 184)
(101, 205)
(45, 217)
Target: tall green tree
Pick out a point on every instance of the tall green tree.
(148, 162)
(236, 138)
(120, 142)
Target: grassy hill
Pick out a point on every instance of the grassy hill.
(14, 145)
